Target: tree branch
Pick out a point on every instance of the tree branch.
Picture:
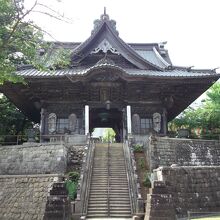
(55, 12)
(50, 15)
(40, 29)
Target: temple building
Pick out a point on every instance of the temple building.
(132, 87)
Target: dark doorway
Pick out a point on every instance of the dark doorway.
(104, 118)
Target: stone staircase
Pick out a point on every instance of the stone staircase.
(109, 193)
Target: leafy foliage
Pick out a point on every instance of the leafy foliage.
(21, 40)
(12, 121)
(141, 163)
(138, 148)
(205, 119)
(109, 135)
(147, 181)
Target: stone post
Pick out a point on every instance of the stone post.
(86, 119)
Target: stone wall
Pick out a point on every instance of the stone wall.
(24, 197)
(184, 152)
(33, 158)
(192, 188)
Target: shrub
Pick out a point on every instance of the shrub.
(147, 181)
(74, 176)
(141, 163)
(71, 184)
(138, 148)
(71, 188)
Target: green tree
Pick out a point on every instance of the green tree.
(21, 40)
(206, 117)
(109, 135)
(212, 107)
(18, 39)
(12, 121)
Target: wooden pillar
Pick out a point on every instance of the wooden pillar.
(129, 119)
(164, 121)
(42, 123)
(86, 119)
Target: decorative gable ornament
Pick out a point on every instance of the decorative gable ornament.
(104, 18)
(105, 46)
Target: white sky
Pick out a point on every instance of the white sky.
(191, 27)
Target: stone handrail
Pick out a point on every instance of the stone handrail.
(84, 182)
(134, 186)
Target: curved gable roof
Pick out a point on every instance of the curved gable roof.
(105, 37)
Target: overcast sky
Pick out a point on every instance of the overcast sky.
(191, 27)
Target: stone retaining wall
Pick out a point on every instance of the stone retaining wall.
(192, 188)
(24, 197)
(184, 152)
(33, 158)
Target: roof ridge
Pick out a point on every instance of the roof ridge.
(160, 57)
(190, 69)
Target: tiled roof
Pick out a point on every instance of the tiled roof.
(24, 197)
(80, 71)
(154, 57)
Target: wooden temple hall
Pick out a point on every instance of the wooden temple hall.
(131, 87)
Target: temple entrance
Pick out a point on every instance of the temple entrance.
(103, 118)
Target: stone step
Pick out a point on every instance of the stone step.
(98, 211)
(119, 202)
(98, 196)
(118, 181)
(120, 212)
(120, 208)
(120, 192)
(97, 204)
(97, 176)
(122, 169)
(120, 215)
(99, 189)
(98, 169)
(97, 193)
(99, 183)
(97, 199)
(113, 205)
(99, 215)
(119, 176)
(118, 188)
(118, 198)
